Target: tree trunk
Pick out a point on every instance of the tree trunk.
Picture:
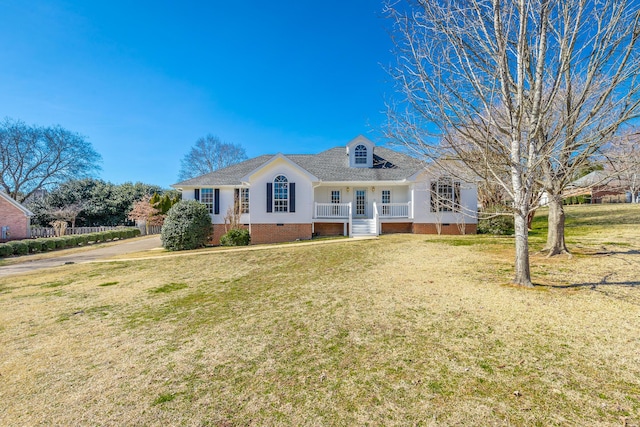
(523, 272)
(530, 219)
(555, 235)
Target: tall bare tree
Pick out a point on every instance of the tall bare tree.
(481, 77)
(36, 157)
(623, 161)
(209, 154)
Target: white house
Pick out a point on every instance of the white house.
(355, 190)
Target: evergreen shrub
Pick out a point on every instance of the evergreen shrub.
(19, 247)
(236, 237)
(492, 222)
(34, 245)
(187, 226)
(49, 244)
(5, 250)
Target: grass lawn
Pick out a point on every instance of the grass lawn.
(403, 330)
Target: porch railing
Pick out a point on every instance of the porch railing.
(393, 210)
(332, 210)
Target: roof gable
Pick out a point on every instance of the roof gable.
(275, 159)
(15, 204)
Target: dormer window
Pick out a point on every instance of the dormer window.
(360, 155)
(360, 152)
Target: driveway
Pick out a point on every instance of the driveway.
(111, 250)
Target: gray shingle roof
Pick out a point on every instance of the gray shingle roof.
(330, 165)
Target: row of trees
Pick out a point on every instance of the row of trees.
(92, 202)
(522, 92)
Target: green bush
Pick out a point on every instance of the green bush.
(236, 237)
(69, 241)
(58, 242)
(19, 247)
(492, 222)
(48, 244)
(187, 226)
(34, 246)
(5, 250)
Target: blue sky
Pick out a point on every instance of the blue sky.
(142, 80)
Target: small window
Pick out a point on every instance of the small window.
(386, 200)
(206, 197)
(386, 196)
(335, 199)
(360, 155)
(281, 194)
(244, 200)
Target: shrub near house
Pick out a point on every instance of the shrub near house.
(187, 226)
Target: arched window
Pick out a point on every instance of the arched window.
(281, 194)
(360, 155)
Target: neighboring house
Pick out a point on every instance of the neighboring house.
(600, 187)
(355, 190)
(15, 219)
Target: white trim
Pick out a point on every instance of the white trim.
(279, 156)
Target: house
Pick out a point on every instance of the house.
(599, 187)
(353, 191)
(15, 219)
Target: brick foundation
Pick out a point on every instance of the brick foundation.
(450, 229)
(273, 233)
(395, 227)
(15, 218)
(329, 229)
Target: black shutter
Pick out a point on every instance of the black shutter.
(292, 197)
(433, 195)
(196, 193)
(216, 201)
(269, 196)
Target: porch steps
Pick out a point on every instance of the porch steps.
(363, 227)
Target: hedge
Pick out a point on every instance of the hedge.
(5, 250)
(34, 246)
(23, 247)
(19, 247)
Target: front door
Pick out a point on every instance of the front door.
(361, 202)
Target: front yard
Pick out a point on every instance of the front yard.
(404, 330)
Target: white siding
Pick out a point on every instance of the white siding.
(422, 204)
(258, 195)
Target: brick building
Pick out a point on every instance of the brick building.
(15, 219)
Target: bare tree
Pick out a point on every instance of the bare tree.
(210, 154)
(488, 73)
(623, 161)
(35, 157)
(68, 213)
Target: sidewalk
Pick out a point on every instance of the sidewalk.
(127, 246)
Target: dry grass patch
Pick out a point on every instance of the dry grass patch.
(404, 330)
